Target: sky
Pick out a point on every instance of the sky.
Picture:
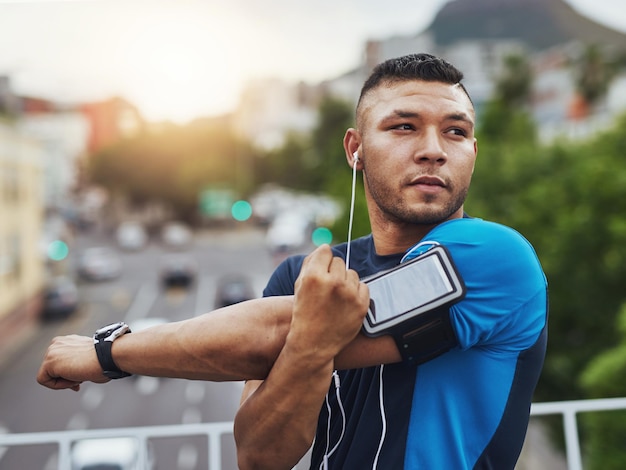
(180, 59)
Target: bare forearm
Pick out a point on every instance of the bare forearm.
(238, 342)
(276, 438)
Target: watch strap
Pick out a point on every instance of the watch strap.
(109, 368)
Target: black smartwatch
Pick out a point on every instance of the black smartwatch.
(103, 340)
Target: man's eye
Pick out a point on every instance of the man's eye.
(457, 131)
(403, 127)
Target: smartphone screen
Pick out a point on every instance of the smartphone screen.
(424, 283)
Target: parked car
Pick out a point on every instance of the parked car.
(178, 270)
(113, 453)
(288, 232)
(131, 236)
(60, 298)
(99, 264)
(232, 289)
(176, 235)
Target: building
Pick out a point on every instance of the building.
(475, 35)
(22, 268)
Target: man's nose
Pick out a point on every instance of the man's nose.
(431, 147)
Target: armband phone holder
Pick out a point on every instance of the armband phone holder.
(411, 303)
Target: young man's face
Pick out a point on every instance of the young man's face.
(418, 150)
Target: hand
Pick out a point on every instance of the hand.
(329, 306)
(69, 361)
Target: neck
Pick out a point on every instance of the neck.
(392, 237)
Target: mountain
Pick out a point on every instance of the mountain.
(538, 23)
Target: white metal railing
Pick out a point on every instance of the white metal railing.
(569, 410)
(214, 431)
(65, 439)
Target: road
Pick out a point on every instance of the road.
(27, 407)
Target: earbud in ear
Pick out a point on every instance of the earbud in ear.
(356, 156)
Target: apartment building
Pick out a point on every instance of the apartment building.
(22, 265)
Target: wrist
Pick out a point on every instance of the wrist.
(103, 342)
(309, 351)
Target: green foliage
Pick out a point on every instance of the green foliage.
(514, 85)
(603, 443)
(569, 200)
(335, 174)
(594, 72)
(173, 165)
(603, 378)
(317, 163)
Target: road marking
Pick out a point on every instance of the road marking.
(92, 397)
(205, 295)
(143, 302)
(194, 392)
(146, 385)
(192, 415)
(78, 422)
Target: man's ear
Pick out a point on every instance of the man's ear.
(475, 154)
(351, 145)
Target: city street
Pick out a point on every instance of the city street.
(138, 293)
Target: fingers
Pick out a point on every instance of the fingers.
(69, 361)
(323, 261)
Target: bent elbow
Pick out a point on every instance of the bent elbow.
(257, 461)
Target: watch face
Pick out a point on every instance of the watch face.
(106, 330)
(112, 331)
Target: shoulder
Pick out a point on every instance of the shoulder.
(506, 300)
(489, 245)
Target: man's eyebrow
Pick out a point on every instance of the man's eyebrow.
(460, 117)
(399, 113)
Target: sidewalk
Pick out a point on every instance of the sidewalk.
(15, 333)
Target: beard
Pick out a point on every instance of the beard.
(431, 210)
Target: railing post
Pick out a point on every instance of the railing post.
(215, 450)
(65, 445)
(572, 445)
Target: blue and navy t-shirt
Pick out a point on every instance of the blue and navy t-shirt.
(466, 409)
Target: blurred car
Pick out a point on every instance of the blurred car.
(178, 270)
(99, 264)
(176, 235)
(113, 453)
(232, 289)
(131, 236)
(288, 232)
(60, 298)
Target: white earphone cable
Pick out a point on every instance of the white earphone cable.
(383, 417)
(327, 454)
(351, 220)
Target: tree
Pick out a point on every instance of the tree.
(593, 72)
(514, 84)
(174, 165)
(334, 174)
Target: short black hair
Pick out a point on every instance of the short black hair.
(425, 67)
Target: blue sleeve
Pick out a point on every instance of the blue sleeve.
(506, 302)
(284, 277)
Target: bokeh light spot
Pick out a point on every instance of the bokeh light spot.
(58, 250)
(241, 210)
(321, 235)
